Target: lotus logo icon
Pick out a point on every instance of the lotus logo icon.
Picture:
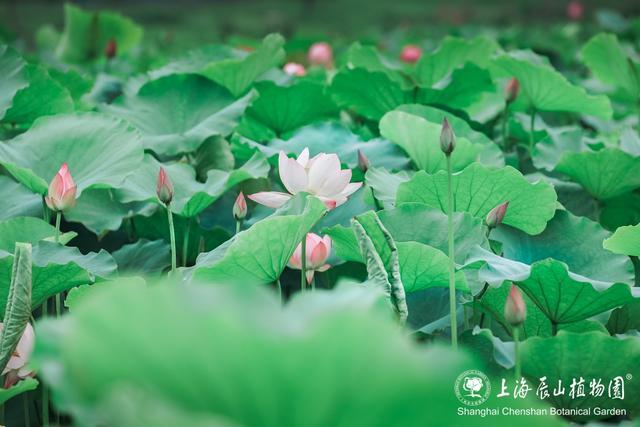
(472, 388)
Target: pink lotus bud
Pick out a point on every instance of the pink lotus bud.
(515, 309)
(363, 162)
(496, 215)
(295, 69)
(318, 250)
(62, 191)
(240, 207)
(16, 368)
(164, 187)
(447, 138)
(321, 54)
(575, 10)
(111, 49)
(512, 90)
(410, 54)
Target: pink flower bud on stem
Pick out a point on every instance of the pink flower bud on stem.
(239, 211)
(111, 49)
(164, 190)
(447, 138)
(515, 313)
(496, 215)
(363, 162)
(512, 90)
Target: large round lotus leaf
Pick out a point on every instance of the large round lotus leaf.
(100, 151)
(176, 113)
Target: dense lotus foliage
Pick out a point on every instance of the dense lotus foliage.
(319, 232)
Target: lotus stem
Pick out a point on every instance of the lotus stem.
(185, 242)
(531, 129)
(505, 128)
(303, 262)
(58, 218)
(452, 272)
(238, 225)
(172, 237)
(516, 340)
(279, 287)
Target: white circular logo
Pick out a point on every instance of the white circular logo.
(472, 388)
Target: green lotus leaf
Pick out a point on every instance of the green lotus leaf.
(258, 255)
(28, 230)
(334, 137)
(384, 184)
(421, 140)
(143, 257)
(478, 189)
(606, 173)
(625, 240)
(194, 60)
(370, 59)
(86, 34)
(190, 196)
(370, 94)
(453, 53)
(489, 155)
(57, 268)
(545, 89)
(44, 96)
(573, 240)
(238, 74)
(100, 151)
(625, 318)
(610, 63)
(18, 200)
(13, 70)
(283, 109)
(176, 113)
(234, 379)
(562, 352)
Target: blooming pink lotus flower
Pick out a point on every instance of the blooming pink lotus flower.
(164, 187)
(294, 69)
(16, 367)
(575, 10)
(62, 190)
(320, 54)
(320, 176)
(515, 309)
(240, 207)
(317, 251)
(410, 54)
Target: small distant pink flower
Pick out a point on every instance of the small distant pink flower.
(320, 176)
(410, 54)
(111, 49)
(294, 69)
(321, 54)
(62, 190)
(575, 10)
(512, 90)
(16, 367)
(318, 250)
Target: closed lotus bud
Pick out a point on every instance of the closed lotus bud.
(410, 54)
(496, 215)
(575, 10)
(512, 90)
(294, 69)
(240, 207)
(363, 162)
(164, 187)
(320, 54)
(447, 138)
(62, 190)
(111, 49)
(515, 309)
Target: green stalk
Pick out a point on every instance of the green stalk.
(185, 242)
(25, 404)
(45, 390)
(279, 286)
(452, 271)
(516, 339)
(172, 236)
(238, 225)
(303, 263)
(531, 129)
(505, 129)
(58, 217)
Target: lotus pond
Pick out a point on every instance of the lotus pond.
(408, 228)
